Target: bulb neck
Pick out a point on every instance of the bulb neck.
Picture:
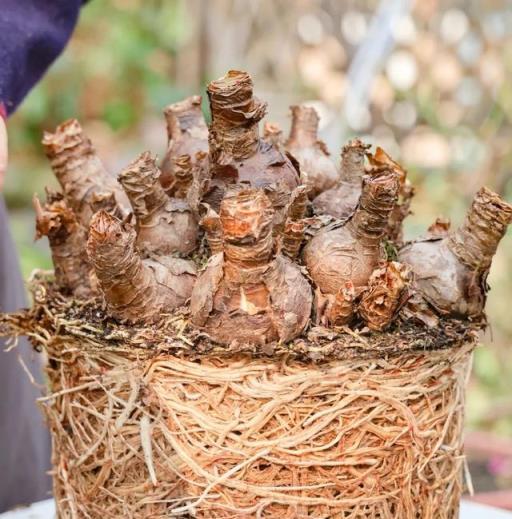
(476, 240)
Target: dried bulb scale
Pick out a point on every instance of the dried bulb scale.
(237, 153)
(439, 228)
(378, 160)
(273, 134)
(317, 171)
(450, 271)
(79, 170)
(248, 294)
(292, 236)
(135, 289)
(67, 240)
(348, 253)
(385, 294)
(341, 200)
(164, 225)
(187, 148)
(210, 222)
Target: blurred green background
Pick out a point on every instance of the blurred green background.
(429, 81)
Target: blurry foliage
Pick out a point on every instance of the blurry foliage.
(441, 102)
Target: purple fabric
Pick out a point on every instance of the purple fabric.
(32, 34)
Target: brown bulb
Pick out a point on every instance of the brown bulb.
(349, 253)
(187, 146)
(248, 295)
(164, 225)
(79, 170)
(341, 200)
(450, 272)
(317, 171)
(237, 154)
(135, 289)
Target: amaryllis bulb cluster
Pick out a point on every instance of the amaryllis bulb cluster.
(255, 239)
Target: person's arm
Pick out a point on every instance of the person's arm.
(32, 34)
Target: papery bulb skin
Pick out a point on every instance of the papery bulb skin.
(439, 228)
(350, 252)
(134, 289)
(237, 154)
(67, 240)
(341, 200)
(450, 271)
(247, 294)
(292, 236)
(164, 225)
(385, 294)
(187, 148)
(381, 160)
(273, 134)
(317, 171)
(211, 224)
(79, 170)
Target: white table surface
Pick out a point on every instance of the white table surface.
(46, 510)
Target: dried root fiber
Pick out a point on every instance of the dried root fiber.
(145, 426)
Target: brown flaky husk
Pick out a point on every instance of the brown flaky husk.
(439, 228)
(187, 146)
(135, 289)
(246, 294)
(164, 225)
(317, 171)
(237, 154)
(349, 253)
(67, 240)
(385, 294)
(157, 422)
(273, 134)
(381, 159)
(341, 200)
(450, 273)
(292, 237)
(79, 170)
(210, 222)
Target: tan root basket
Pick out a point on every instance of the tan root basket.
(147, 424)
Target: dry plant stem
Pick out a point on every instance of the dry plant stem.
(134, 289)
(187, 146)
(79, 170)
(450, 272)
(341, 200)
(386, 293)
(341, 311)
(237, 154)
(292, 237)
(273, 134)
(67, 244)
(349, 254)
(380, 159)
(247, 295)
(164, 225)
(213, 230)
(317, 170)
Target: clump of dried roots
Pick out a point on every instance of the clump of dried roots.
(139, 434)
